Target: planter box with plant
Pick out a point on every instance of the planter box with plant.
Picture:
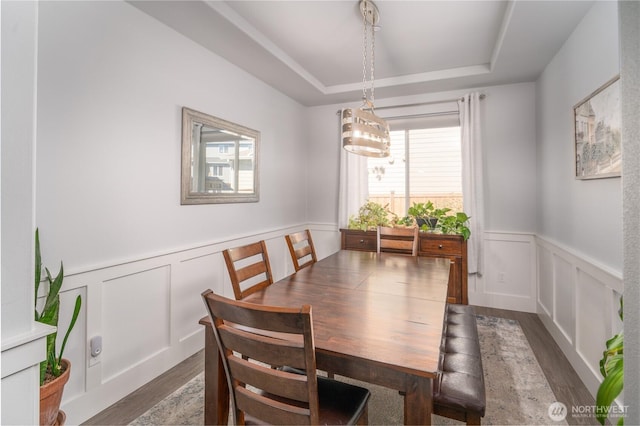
(54, 371)
(455, 224)
(430, 218)
(370, 216)
(427, 215)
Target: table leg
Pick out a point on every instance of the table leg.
(418, 402)
(216, 391)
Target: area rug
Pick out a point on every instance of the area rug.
(516, 388)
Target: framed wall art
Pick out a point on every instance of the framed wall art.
(597, 133)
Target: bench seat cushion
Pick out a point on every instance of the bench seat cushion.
(461, 383)
(462, 392)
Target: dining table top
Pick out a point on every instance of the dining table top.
(377, 318)
(387, 309)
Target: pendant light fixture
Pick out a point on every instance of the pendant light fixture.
(363, 132)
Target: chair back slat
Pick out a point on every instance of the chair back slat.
(252, 270)
(303, 252)
(270, 350)
(247, 279)
(270, 411)
(286, 385)
(397, 240)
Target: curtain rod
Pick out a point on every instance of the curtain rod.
(426, 114)
(482, 96)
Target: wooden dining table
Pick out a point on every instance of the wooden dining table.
(377, 318)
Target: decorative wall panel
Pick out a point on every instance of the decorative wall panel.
(136, 319)
(585, 299)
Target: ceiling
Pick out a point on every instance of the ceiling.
(312, 50)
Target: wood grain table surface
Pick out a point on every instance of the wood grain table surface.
(377, 318)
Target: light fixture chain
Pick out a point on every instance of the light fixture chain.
(364, 133)
(373, 60)
(364, 54)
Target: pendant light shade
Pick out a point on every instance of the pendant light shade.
(363, 132)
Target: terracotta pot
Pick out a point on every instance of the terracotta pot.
(51, 396)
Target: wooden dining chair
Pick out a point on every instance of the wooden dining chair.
(247, 274)
(303, 253)
(279, 336)
(398, 240)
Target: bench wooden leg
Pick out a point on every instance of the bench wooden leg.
(473, 418)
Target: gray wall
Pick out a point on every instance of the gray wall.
(583, 215)
(509, 146)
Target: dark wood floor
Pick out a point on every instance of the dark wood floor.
(565, 383)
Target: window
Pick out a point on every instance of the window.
(424, 163)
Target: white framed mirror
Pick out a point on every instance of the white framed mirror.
(219, 160)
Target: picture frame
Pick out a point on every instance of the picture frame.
(597, 139)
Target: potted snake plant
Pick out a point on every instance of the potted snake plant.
(55, 370)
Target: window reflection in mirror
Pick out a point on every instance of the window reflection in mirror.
(219, 160)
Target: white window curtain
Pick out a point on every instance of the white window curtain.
(472, 178)
(354, 187)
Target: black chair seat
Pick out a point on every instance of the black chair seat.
(338, 400)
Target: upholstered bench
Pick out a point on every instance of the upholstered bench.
(459, 390)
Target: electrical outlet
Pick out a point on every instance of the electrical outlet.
(501, 277)
(95, 345)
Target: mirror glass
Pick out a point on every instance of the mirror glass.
(219, 160)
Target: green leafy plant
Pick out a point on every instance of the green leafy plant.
(612, 369)
(50, 313)
(404, 221)
(371, 215)
(455, 224)
(420, 210)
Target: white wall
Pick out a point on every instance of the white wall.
(23, 342)
(579, 221)
(111, 85)
(112, 82)
(508, 114)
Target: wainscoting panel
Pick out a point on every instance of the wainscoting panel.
(136, 319)
(147, 312)
(592, 300)
(581, 314)
(564, 306)
(190, 279)
(509, 279)
(545, 281)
